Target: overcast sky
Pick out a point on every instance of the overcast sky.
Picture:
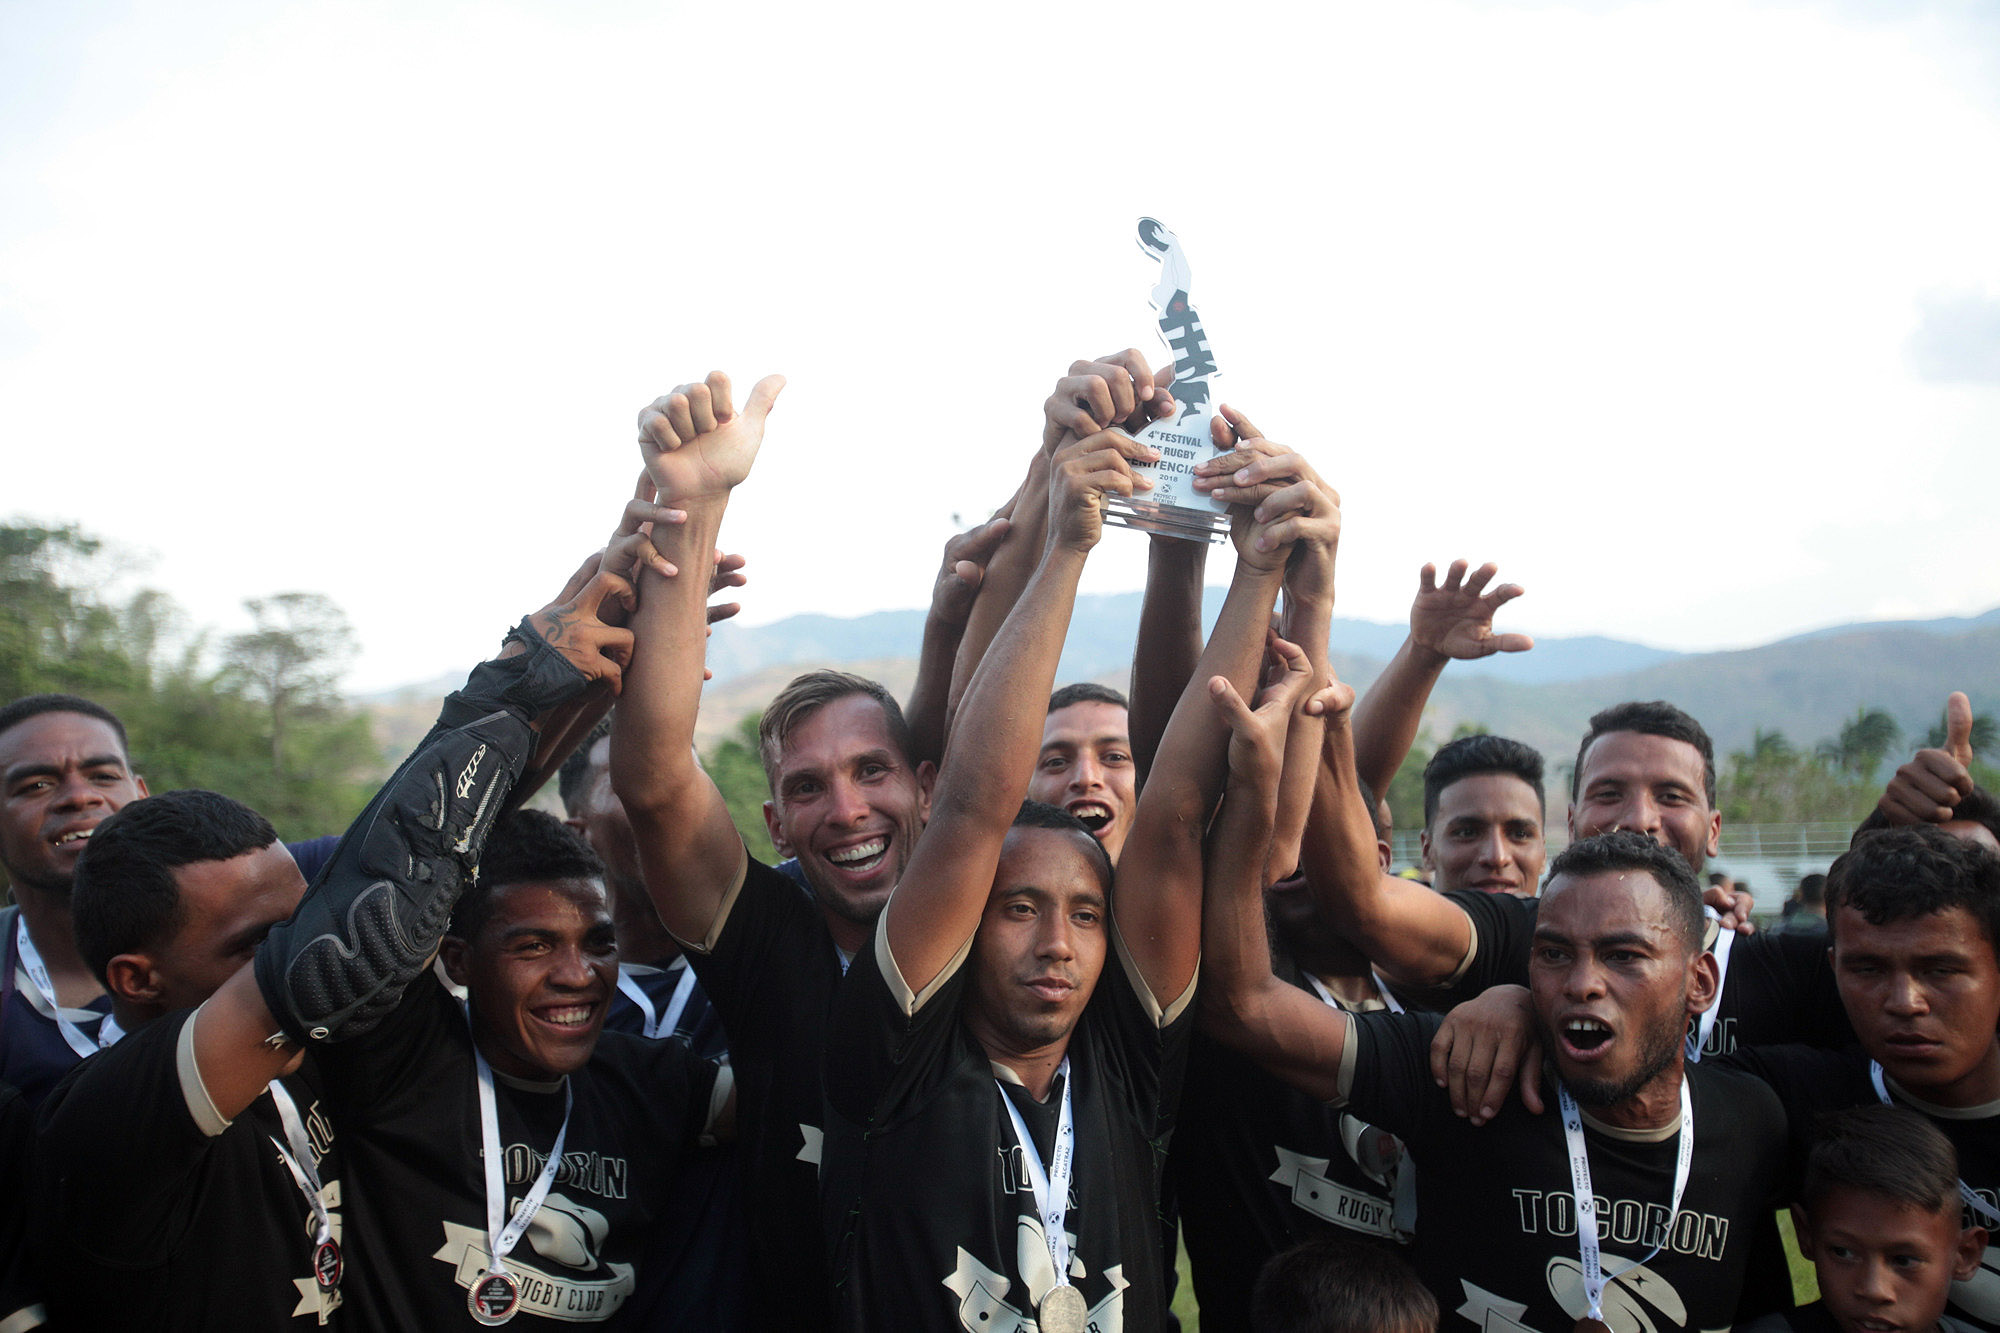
(1686, 313)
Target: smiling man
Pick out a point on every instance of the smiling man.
(583, 1130)
(846, 801)
(1617, 972)
(189, 1173)
(1085, 767)
(64, 769)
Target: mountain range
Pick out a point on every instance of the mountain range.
(1806, 685)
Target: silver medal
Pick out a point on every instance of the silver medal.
(1062, 1311)
(494, 1298)
(326, 1264)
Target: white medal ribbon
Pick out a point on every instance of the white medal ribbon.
(298, 1159)
(1403, 1188)
(108, 1031)
(500, 1241)
(1051, 1187)
(1333, 1001)
(666, 1025)
(1980, 1208)
(1724, 942)
(1594, 1276)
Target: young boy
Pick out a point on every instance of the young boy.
(1334, 1285)
(1881, 1220)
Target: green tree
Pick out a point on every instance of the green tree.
(1864, 742)
(57, 631)
(292, 660)
(191, 724)
(737, 770)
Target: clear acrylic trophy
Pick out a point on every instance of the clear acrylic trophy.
(1173, 507)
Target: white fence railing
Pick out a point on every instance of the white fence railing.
(1770, 858)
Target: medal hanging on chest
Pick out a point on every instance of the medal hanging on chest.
(1062, 1308)
(1062, 1311)
(495, 1296)
(296, 1153)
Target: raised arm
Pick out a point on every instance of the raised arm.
(1169, 642)
(959, 578)
(369, 924)
(698, 447)
(1275, 482)
(942, 894)
(1095, 396)
(1243, 1004)
(1449, 621)
(1411, 935)
(1158, 896)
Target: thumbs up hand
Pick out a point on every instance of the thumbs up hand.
(1928, 788)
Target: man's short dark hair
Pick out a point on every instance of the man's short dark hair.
(1812, 890)
(1889, 1152)
(34, 705)
(1657, 718)
(125, 899)
(1334, 1285)
(1623, 849)
(526, 847)
(1470, 756)
(1902, 873)
(575, 770)
(1036, 814)
(808, 694)
(1086, 692)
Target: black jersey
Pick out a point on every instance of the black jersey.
(1779, 988)
(771, 969)
(405, 1095)
(1813, 1082)
(20, 1287)
(1259, 1167)
(693, 1274)
(34, 1055)
(1496, 1233)
(155, 1213)
(931, 1219)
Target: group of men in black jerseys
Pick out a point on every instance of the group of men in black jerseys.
(1047, 980)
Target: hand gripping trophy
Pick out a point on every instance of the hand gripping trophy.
(1173, 507)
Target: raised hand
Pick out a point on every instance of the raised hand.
(964, 569)
(1454, 619)
(696, 444)
(1081, 474)
(1286, 511)
(1251, 468)
(1116, 390)
(1257, 736)
(1928, 788)
(575, 626)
